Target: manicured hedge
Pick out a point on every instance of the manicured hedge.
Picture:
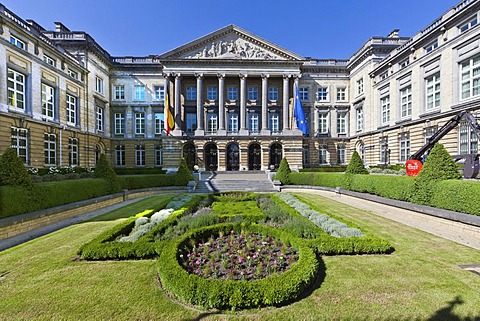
(325, 169)
(274, 290)
(146, 181)
(139, 171)
(318, 179)
(394, 187)
(457, 195)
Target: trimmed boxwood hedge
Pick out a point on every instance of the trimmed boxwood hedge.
(145, 181)
(455, 195)
(275, 290)
(318, 179)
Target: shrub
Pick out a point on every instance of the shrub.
(283, 172)
(318, 179)
(146, 181)
(12, 170)
(457, 195)
(104, 170)
(183, 174)
(328, 169)
(356, 165)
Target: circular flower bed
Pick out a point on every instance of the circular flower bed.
(236, 256)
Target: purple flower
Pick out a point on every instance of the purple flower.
(188, 255)
(197, 262)
(232, 232)
(240, 260)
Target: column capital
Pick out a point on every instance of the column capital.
(243, 76)
(177, 75)
(198, 75)
(264, 76)
(220, 75)
(297, 76)
(286, 76)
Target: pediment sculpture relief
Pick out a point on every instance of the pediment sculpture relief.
(233, 49)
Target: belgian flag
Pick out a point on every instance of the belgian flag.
(169, 116)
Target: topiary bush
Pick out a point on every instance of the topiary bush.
(183, 174)
(104, 170)
(12, 170)
(356, 165)
(283, 172)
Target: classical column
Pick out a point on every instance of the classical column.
(265, 104)
(178, 103)
(243, 104)
(285, 112)
(315, 120)
(199, 130)
(221, 104)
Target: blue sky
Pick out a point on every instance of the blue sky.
(311, 28)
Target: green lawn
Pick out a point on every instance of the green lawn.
(421, 280)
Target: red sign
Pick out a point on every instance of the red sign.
(413, 167)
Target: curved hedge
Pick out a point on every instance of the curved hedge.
(274, 290)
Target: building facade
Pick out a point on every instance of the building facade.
(65, 99)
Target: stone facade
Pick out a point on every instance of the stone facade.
(67, 100)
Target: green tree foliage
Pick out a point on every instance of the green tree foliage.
(183, 174)
(356, 165)
(283, 172)
(12, 170)
(104, 170)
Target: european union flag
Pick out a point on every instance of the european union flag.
(299, 114)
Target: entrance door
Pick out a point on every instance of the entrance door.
(190, 155)
(254, 157)
(211, 157)
(233, 157)
(275, 155)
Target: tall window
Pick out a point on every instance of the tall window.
(212, 123)
(19, 142)
(233, 123)
(384, 150)
(50, 149)
(159, 92)
(158, 155)
(468, 140)
(323, 155)
(303, 93)
(99, 119)
(341, 93)
(433, 91)
(159, 123)
(72, 151)
(212, 93)
(385, 109)
(119, 92)
(253, 120)
(272, 93)
(359, 118)
(322, 94)
(323, 123)
(191, 93)
(341, 122)
(406, 102)
(17, 42)
(470, 76)
(16, 89)
(360, 86)
(139, 123)
(341, 154)
(71, 109)
(274, 122)
(191, 122)
(120, 155)
(48, 101)
(404, 147)
(140, 155)
(119, 119)
(139, 92)
(252, 93)
(232, 93)
(99, 85)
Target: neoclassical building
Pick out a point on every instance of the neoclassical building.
(65, 99)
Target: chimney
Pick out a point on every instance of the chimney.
(393, 34)
(60, 27)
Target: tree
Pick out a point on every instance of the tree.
(356, 165)
(183, 174)
(104, 170)
(13, 171)
(283, 172)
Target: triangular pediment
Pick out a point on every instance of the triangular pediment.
(230, 43)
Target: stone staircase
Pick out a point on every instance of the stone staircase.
(251, 181)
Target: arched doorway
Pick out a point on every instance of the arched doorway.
(211, 157)
(276, 155)
(190, 155)
(254, 157)
(233, 157)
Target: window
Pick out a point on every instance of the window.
(50, 149)
(191, 122)
(341, 93)
(71, 109)
(404, 63)
(48, 101)
(303, 93)
(191, 93)
(159, 123)
(432, 46)
(359, 118)
(140, 155)
(120, 155)
(429, 132)
(385, 109)
(212, 93)
(384, 75)
(467, 140)
(232, 93)
(17, 42)
(274, 122)
(72, 151)
(306, 155)
(406, 102)
(72, 74)
(360, 86)
(159, 92)
(16, 89)
(158, 155)
(433, 91)
(19, 142)
(384, 152)
(212, 123)
(252, 93)
(341, 152)
(253, 122)
(470, 77)
(139, 92)
(99, 85)
(404, 147)
(139, 123)
(323, 123)
(49, 60)
(341, 122)
(99, 119)
(119, 121)
(322, 94)
(469, 24)
(119, 92)
(323, 155)
(272, 93)
(232, 123)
